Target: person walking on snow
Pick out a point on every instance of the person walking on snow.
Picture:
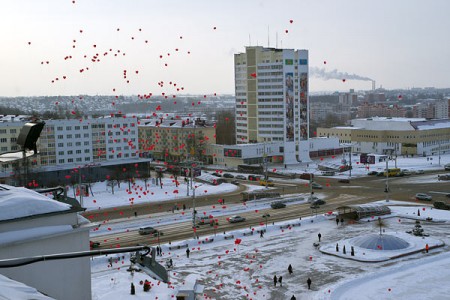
(290, 269)
(280, 280)
(275, 280)
(293, 297)
(309, 281)
(187, 252)
(320, 236)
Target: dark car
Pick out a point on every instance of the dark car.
(241, 177)
(344, 180)
(228, 175)
(147, 230)
(306, 176)
(216, 174)
(277, 205)
(319, 202)
(254, 177)
(94, 245)
(235, 182)
(379, 174)
(372, 173)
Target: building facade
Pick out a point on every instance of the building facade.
(176, 140)
(271, 87)
(73, 143)
(401, 136)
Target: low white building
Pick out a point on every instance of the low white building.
(33, 225)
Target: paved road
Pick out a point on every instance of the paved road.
(360, 190)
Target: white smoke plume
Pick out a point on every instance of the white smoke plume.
(335, 74)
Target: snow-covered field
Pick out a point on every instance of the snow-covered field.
(245, 271)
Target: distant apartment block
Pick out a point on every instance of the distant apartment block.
(176, 139)
(432, 109)
(367, 110)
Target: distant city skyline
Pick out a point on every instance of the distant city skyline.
(85, 46)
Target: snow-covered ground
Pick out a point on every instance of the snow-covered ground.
(245, 271)
(229, 270)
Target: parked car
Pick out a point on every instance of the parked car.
(236, 219)
(423, 196)
(254, 177)
(372, 173)
(344, 180)
(235, 182)
(267, 182)
(228, 175)
(306, 176)
(241, 177)
(441, 205)
(277, 205)
(420, 172)
(406, 172)
(315, 185)
(216, 174)
(147, 230)
(447, 167)
(379, 174)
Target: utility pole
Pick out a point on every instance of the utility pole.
(387, 180)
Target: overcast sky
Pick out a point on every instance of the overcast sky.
(399, 43)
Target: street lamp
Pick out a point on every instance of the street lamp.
(387, 180)
(266, 216)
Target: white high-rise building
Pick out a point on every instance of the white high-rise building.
(272, 100)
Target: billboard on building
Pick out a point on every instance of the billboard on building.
(289, 105)
(303, 106)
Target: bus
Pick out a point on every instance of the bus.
(392, 172)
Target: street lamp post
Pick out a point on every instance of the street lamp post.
(387, 180)
(266, 216)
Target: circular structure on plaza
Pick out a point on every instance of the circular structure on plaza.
(380, 242)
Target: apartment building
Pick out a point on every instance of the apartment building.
(272, 104)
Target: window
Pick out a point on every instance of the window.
(69, 144)
(13, 130)
(60, 144)
(86, 143)
(78, 152)
(59, 128)
(61, 161)
(70, 152)
(86, 135)
(3, 140)
(77, 127)
(69, 128)
(60, 152)
(70, 160)
(77, 136)
(60, 136)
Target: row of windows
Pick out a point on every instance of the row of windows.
(271, 125)
(269, 87)
(13, 130)
(271, 132)
(270, 67)
(270, 106)
(269, 93)
(71, 160)
(70, 152)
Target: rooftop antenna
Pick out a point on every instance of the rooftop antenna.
(281, 42)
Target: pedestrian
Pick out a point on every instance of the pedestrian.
(337, 247)
(343, 250)
(293, 297)
(290, 269)
(133, 289)
(352, 251)
(280, 280)
(187, 252)
(320, 236)
(342, 221)
(418, 212)
(337, 221)
(427, 248)
(275, 280)
(309, 281)
(261, 234)
(184, 206)
(135, 214)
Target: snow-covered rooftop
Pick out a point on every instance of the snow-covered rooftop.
(18, 202)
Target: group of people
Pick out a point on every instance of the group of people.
(291, 271)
